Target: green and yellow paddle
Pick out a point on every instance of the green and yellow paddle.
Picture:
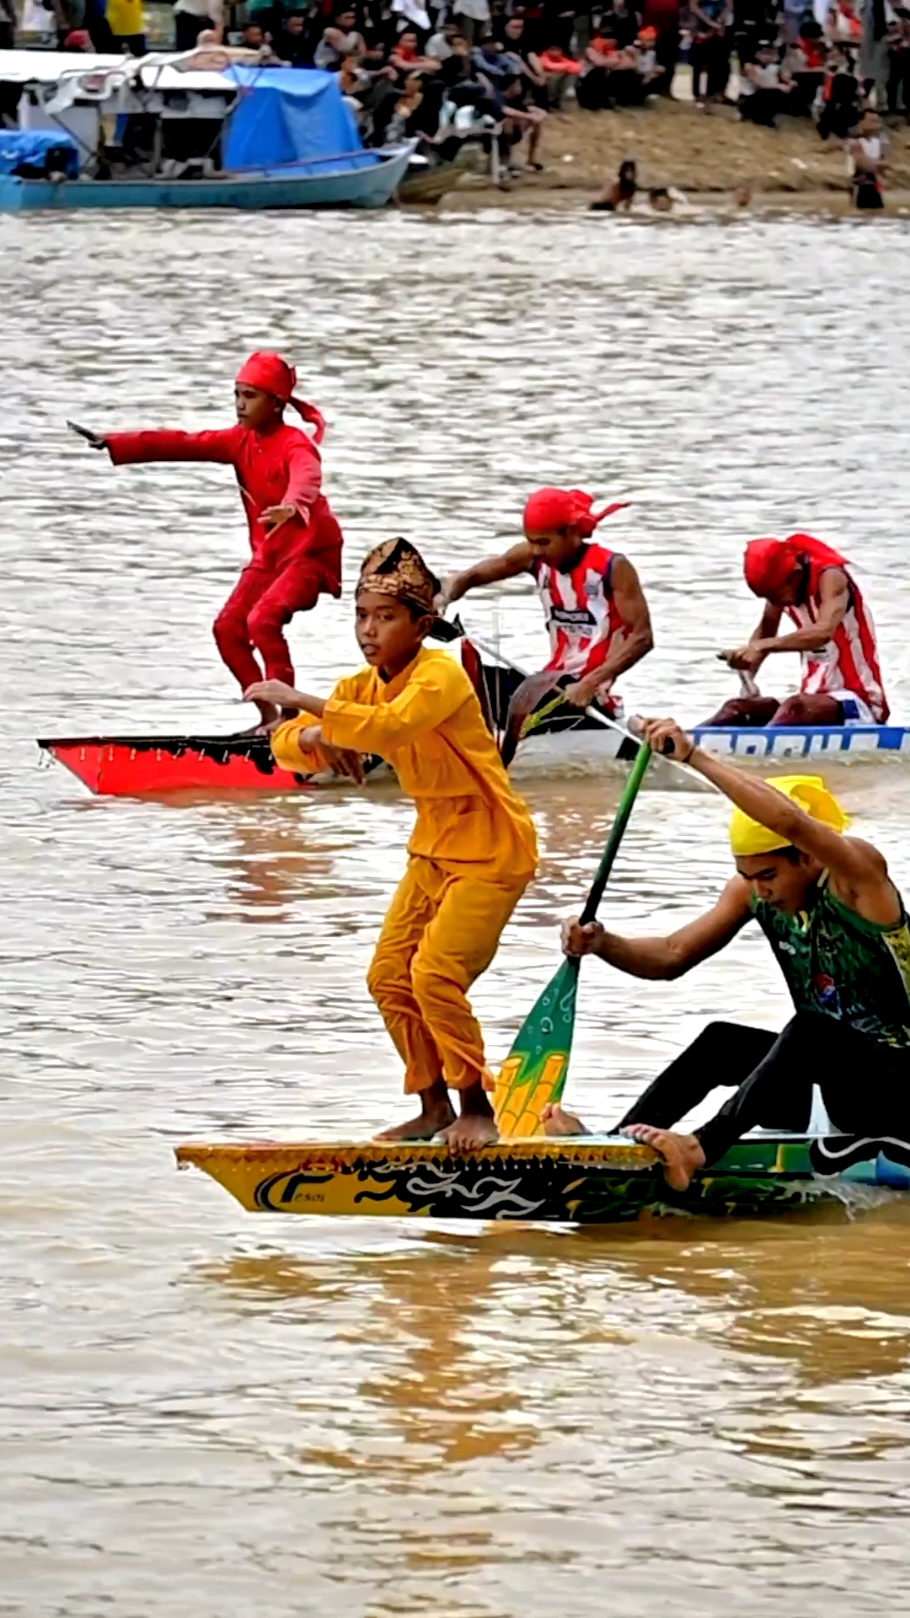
(535, 1070)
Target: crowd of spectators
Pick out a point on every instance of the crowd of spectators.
(450, 71)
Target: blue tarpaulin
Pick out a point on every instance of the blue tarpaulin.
(31, 146)
(287, 115)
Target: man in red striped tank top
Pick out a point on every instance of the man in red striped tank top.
(834, 635)
(595, 608)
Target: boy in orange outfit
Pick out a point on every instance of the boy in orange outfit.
(472, 852)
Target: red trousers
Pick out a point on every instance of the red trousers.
(255, 613)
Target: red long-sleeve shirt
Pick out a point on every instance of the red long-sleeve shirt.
(278, 468)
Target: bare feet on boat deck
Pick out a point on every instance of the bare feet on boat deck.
(681, 1155)
(434, 1117)
(470, 1132)
(557, 1122)
(264, 728)
(476, 1125)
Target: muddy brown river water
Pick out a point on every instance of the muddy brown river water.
(211, 1412)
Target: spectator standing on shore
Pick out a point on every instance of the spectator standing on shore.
(866, 152)
(874, 63)
(621, 23)
(753, 21)
(473, 18)
(7, 25)
(195, 17)
(709, 55)
(127, 24)
(899, 63)
(844, 24)
(789, 19)
(663, 15)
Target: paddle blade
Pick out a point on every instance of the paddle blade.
(534, 1072)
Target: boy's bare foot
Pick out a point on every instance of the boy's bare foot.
(556, 1121)
(435, 1115)
(264, 728)
(471, 1131)
(681, 1155)
(476, 1126)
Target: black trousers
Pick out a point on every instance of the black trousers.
(865, 1085)
(762, 107)
(710, 58)
(187, 28)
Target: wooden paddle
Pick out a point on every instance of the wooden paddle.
(535, 1070)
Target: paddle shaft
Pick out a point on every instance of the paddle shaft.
(636, 776)
(535, 1070)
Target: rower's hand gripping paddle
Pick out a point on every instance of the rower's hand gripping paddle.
(534, 1072)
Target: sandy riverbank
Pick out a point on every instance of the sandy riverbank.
(705, 155)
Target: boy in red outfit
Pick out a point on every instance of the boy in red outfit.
(295, 539)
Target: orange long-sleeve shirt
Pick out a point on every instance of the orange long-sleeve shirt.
(427, 723)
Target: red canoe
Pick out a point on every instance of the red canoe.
(128, 766)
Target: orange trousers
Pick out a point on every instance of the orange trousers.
(440, 933)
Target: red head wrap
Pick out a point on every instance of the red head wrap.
(566, 508)
(768, 563)
(273, 375)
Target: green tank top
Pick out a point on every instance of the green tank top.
(838, 964)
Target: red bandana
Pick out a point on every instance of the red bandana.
(272, 374)
(768, 563)
(566, 508)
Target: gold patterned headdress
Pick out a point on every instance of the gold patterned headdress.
(396, 568)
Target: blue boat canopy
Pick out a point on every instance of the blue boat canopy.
(30, 147)
(292, 117)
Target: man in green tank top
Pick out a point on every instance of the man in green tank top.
(838, 929)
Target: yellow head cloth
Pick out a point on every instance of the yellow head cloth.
(808, 792)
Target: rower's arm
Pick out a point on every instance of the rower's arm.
(126, 449)
(637, 637)
(491, 571)
(834, 601)
(667, 958)
(768, 625)
(859, 873)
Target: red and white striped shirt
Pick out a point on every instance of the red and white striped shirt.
(849, 662)
(580, 610)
